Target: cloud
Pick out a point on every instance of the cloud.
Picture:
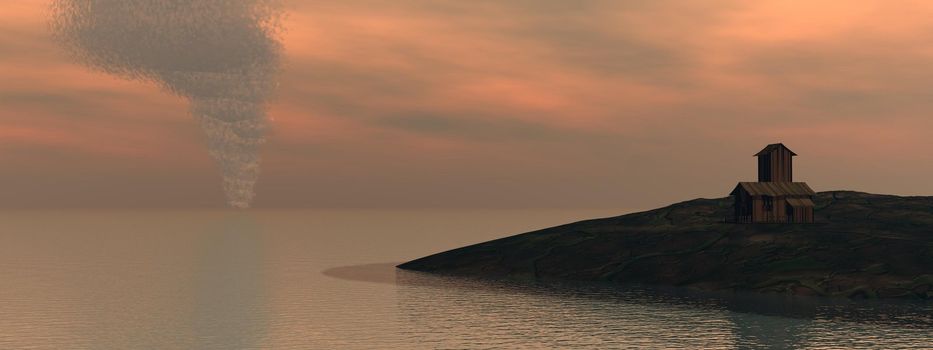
(479, 128)
(404, 100)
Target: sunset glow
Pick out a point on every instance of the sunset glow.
(498, 104)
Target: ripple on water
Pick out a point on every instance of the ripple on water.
(441, 311)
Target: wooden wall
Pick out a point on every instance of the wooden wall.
(751, 209)
(778, 212)
(776, 166)
(758, 209)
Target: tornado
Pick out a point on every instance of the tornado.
(222, 56)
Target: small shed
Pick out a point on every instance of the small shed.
(775, 198)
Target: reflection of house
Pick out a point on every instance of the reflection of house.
(775, 198)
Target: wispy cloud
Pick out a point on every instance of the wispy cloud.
(604, 101)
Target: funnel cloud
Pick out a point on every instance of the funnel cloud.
(220, 55)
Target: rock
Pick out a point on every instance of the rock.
(860, 246)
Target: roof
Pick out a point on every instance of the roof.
(770, 148)
(800, 202)
(775, 189)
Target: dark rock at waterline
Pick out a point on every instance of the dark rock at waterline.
(861, 246)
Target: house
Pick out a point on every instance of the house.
(775, 198)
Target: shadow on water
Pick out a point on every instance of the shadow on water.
(558, 314)
(908, 313)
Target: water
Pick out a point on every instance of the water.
(324, 280)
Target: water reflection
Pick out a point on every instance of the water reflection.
(220, 55)
(132, 281)
(467, 311)
(229, 310)
(218, 280)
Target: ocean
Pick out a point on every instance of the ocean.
(316, 279)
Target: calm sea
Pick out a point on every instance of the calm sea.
(324, 280)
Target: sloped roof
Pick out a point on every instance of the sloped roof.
(775, 188)
(770, 148)
(800, 202)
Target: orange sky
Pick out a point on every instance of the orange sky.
(522, 103)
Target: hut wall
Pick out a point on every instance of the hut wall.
(776, 166)
(752, 209)
(800, 214)
(780, 209)
(803, 214)
(806, 215)
(785, 164)
(758, 209)
(742, 206)
(764, 167)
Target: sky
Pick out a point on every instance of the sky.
(493, 104)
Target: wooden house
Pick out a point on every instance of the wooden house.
(775, 198)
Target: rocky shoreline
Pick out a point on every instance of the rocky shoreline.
(861, 246)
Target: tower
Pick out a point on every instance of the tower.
(775, 164)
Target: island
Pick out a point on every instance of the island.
(845, 244)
